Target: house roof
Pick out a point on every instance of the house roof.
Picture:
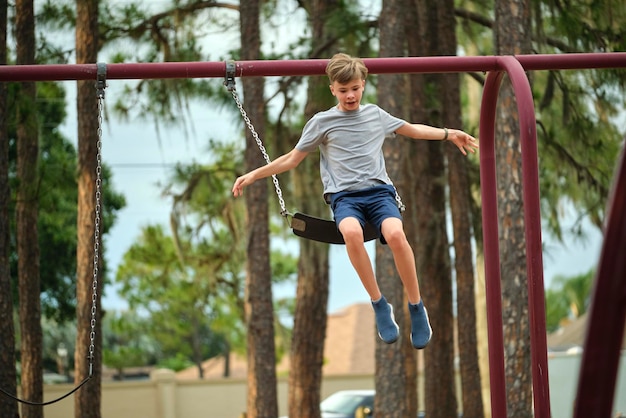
(349, 348)
(572, 335)
(350, 342)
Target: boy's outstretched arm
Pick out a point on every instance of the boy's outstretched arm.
(464, 141)
(281, 164)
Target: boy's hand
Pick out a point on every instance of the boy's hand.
(463, 141)
(240, 183)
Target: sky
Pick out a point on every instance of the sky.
(141, 159)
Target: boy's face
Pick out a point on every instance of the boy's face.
(349, 94)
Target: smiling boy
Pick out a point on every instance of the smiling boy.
(350, 138)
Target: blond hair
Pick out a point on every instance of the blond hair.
(343, 68)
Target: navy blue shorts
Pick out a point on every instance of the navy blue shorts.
(372, 205)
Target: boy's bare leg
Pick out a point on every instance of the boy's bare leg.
(352, 233)
(403, 256)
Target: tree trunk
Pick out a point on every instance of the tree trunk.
(310, 318)
(396, 372)
(433, 258)
(416, 47)
(8, 375)
(460, 208)
(473, 91)
(196, 345)
(262, 396)
(309, 331)
(27, 208)
(87, 401)
(226, 354)
(512, 36)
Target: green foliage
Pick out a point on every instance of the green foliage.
(585, 25)
(191, 283)
(181, 298)
(578, 142)
(177, 363)
(144, 32)
(567, 298)
(579, 113)
(120, 357)
(57, 15)
(579, 131)
(126, 342)
(57, 195)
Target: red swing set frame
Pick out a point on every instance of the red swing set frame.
(607, 315)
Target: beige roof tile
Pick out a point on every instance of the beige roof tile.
(350, 341)
(572, 335)
(349, 348)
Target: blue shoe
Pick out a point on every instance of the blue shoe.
(388, 330)
(420, 326)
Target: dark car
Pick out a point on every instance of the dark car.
(352, 404)
(346, 403)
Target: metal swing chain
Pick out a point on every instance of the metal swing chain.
(259, 143)
(230, 84)
(399, 202)
(100, 86)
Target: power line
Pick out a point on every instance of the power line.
(142, 165)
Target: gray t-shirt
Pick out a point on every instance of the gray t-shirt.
(350, 144)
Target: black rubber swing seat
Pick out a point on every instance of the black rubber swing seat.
(324, 230)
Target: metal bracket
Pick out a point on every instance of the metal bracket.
(101, 79)
(229, 79)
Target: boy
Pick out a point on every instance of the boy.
(350, 137)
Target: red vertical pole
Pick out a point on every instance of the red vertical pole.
(607, 314)
(532, 224)
(532, 228)
(491, 247)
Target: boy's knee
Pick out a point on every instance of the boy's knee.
(351, 230)
(395, 238)
(352, 234)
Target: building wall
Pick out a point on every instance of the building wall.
(165, 397)
(563, 370)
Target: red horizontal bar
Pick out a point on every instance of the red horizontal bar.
(166, 70)
(440, 64)
(127, 71)
(573, 61)
(396, 65)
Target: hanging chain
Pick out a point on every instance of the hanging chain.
(399, 202)
(96, 241)
(100, 86)
(230, 84)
